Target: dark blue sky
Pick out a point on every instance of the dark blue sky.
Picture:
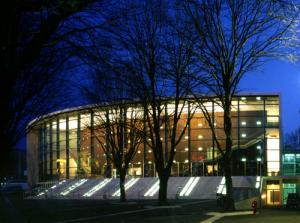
(281, 77)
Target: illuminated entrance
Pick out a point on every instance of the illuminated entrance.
(273, 192)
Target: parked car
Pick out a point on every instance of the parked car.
(293, 200)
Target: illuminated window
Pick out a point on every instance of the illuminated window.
(200, 136)
(244, 123)
(258, 122)
(186, 161)
(243, 98)
(244, 135)
(200, 124)
(258, 98)
(186, 137)
(200, 149)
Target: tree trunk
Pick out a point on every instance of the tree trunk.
(163, 186)
(122, 186)
(229, 203)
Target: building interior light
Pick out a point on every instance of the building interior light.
(243, 159)
(139, 151)
(186, 149)
(243, 98)
(129, 141)
(244, 135)
(200, 124)
(149, 162)
(129, 184)
(258, 98)
(161, 138)
(244, 123)
(189, 186)
(186, 137)
(200, 136)
(149, 151)
(200, 148)
(258, 159)
(258, 147)
(186, 161)
(258, 122)
(161, 127)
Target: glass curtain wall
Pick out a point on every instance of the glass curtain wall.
(69, 145)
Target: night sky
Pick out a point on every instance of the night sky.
(279, 77)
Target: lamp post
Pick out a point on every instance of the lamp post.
(244, 160)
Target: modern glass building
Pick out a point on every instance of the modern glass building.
(66, 144)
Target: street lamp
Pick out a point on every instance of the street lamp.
(244, 160)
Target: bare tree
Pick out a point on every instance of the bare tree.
(119, 131)
(233, 38)
(156, 64)
(37, 52)
(292, 139)
(148, 53)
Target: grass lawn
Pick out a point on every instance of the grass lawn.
(266, 216)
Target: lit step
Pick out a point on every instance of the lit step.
(189, 186)
(153, 190)
(97, 188)
(129, 184)
(53, 187)
(73, 187)
(257, 184)
(222, 187)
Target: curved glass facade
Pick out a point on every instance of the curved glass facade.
(68, 144)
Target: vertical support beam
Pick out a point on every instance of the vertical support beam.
(78, 142)
(57, 148)
(263, 150)
(145, 169)
(238, 132)
(44, 151)
(166, 132)
(92, 144)
(213, 138)
(67, 149)
(41, 155)
(108, 160)
(189, 139)
(51, 151)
